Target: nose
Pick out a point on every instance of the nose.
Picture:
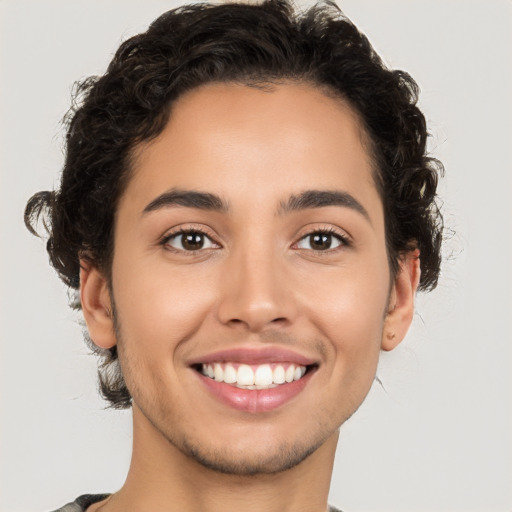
(255, 293)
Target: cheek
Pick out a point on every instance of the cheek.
(158, 308)
(353, 324)
(348, 309)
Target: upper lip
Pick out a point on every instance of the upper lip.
(254, 356)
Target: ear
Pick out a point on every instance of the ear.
(401, 301)
(96, 306)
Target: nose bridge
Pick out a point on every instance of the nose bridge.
(252, 291)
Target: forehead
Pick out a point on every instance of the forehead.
(239, 141)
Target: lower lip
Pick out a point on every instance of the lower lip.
(255, 400)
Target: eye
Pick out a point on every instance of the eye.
(190, 240)
(321, 241)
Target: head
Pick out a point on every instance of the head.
(182, 70)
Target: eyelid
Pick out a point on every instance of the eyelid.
(185, 229)
(342, 236)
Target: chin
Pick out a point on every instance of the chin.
(265, 460)
(256, 450)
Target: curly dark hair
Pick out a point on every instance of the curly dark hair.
(245, 44)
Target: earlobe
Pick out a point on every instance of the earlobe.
(96, 306)
(401, 302)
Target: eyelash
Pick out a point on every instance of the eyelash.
(186, 231)
(343, 240)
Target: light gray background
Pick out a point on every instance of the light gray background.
(439, 438)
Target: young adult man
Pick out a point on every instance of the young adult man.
(246, 211)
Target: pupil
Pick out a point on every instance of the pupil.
(320, 241)
(193, 241)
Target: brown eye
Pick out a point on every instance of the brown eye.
(190, 241)
(320, 241)
(193, 241)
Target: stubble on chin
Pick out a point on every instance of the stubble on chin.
(282, 459)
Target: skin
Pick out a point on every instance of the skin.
(257, 282)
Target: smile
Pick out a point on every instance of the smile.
(253, 377)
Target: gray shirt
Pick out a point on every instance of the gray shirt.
(83, 502)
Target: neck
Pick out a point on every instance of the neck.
(163, 479)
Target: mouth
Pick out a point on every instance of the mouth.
(255, 381)
(254, 377)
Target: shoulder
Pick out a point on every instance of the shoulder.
(86, 500)
(82, 503)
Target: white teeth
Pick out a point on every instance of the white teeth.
(229, 374)
(245, 375)
(255, 377)
(290, 371)
(278, 375)
(218, 372)
(263, 375)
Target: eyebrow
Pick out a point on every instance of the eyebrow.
(321, 198)
(189, 199)
(308, 199)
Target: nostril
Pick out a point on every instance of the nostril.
(280, 320)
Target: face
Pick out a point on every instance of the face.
(250, 277)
